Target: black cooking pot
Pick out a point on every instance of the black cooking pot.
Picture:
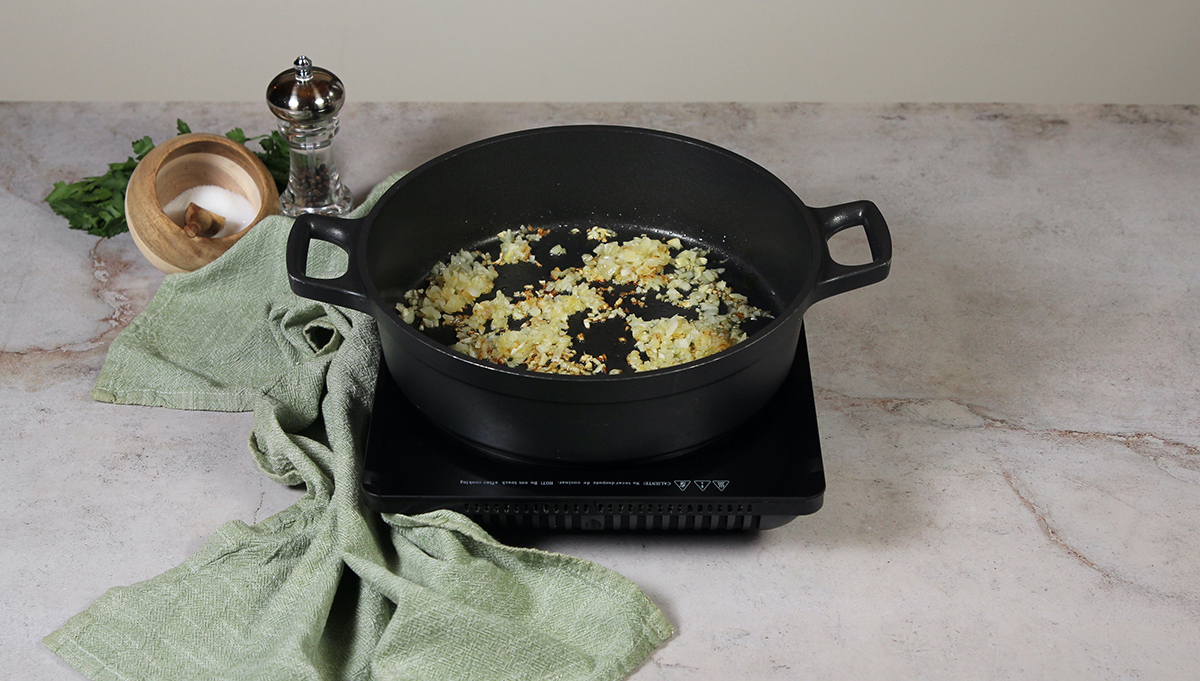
(634, 181)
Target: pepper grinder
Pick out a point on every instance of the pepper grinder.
(306, 100)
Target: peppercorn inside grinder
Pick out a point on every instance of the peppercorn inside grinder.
(306, 100)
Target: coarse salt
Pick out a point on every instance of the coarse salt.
(235, 208)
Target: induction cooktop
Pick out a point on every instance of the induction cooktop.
(759, 476)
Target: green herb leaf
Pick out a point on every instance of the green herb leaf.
(96, 205)
(276, 157)
(141, 148)
(182, 127)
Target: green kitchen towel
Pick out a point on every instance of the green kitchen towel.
(327, 589)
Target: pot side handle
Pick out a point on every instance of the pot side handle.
(346, 290)
(834, 277)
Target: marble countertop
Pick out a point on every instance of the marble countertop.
(1010, 422)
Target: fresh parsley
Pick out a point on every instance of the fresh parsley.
(96, 205)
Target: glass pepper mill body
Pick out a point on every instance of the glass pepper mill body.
(306, 100)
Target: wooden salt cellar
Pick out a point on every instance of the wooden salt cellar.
(180, 163)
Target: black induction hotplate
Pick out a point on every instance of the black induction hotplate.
(761, 475)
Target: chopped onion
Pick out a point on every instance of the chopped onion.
(456, 295)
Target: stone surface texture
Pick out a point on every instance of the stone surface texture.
(1010, 422)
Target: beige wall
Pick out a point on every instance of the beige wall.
(1053, 51)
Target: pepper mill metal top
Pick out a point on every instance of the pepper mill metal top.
(305, 94)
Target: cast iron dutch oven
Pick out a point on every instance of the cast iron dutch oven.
(633, 180)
